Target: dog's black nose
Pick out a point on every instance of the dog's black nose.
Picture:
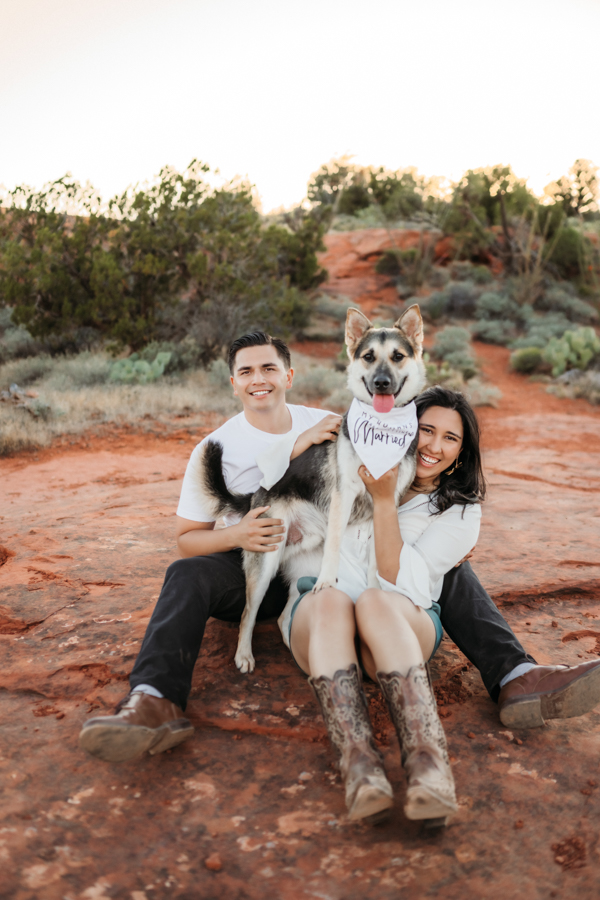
(382, 384)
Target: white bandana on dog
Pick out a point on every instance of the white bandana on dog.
(381, 439)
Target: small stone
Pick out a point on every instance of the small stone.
(213, 862)
(470, 735)
(586, 791)
(491, 746)
(519, 823)
(60, 715)
(519, 742)
(592, 783)
(554, 624)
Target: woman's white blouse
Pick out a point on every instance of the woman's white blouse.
(432, 546)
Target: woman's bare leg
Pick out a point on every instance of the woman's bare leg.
(396, 639)
(322, 641)
(323, 633)
(395, 635)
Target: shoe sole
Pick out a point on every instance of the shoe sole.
(371, 803)
(575, 699)
(423, 804)
(120, 743)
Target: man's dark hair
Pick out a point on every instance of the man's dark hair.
(259, 339)
(464, 483)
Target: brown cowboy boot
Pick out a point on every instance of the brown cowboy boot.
(140, 723)
(430, 793)
(344, 706)
(550, 692)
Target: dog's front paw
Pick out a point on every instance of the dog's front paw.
(244, 661)
(321, 585)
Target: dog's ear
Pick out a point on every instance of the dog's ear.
(411, 323)
(357, 324)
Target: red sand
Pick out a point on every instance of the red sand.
(252, 807)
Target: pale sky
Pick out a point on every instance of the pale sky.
(112, 90)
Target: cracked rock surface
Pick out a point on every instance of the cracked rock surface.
(251, 806)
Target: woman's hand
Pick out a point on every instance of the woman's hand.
(381, 489)
(386, 530)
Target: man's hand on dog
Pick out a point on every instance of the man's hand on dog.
(325, 430)
(259, 535)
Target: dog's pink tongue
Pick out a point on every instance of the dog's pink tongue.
(382, 403)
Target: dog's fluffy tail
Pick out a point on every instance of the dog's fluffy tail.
(220, 499)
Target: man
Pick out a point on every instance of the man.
(209, 581)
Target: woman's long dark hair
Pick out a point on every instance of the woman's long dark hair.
(466, 483)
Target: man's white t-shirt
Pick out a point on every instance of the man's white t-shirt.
(250, 458)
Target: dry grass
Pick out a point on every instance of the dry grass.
(75, 397)
(74, 411)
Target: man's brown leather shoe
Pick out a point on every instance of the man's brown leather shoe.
(550, 692)
(140, 723)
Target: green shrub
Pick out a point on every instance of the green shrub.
(492, 305)
(316, 383)
(461, 299)
(434, 306)
(586, 386)
(26, 371)
(177, 257)
(339, 400)
(438, 277)
(567, 252)
(453, 346)
(481, 275)
(353, 198)
(496, 331)
(461, 270)
(219, 374)
(463, 361)
(17, 343)
(137, 371)
(451, 339)
(560, 301)
(81, 371)
(540, 330)
(457, 299)
(574, 350)
(389, 264)
(482, 394)
(526, 360)
(335, 309)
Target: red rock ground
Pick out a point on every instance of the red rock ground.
(252, 807)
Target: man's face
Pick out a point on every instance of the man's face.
(260, 378)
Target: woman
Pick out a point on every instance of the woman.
(392, 631)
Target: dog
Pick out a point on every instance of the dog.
(321, 493)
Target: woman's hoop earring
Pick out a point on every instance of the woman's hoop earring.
(456, 466)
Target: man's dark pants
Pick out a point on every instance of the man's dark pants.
(203, 586)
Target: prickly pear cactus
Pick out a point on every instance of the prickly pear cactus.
(574, 350)
(137, 371)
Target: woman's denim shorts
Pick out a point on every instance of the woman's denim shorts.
(307, 582)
